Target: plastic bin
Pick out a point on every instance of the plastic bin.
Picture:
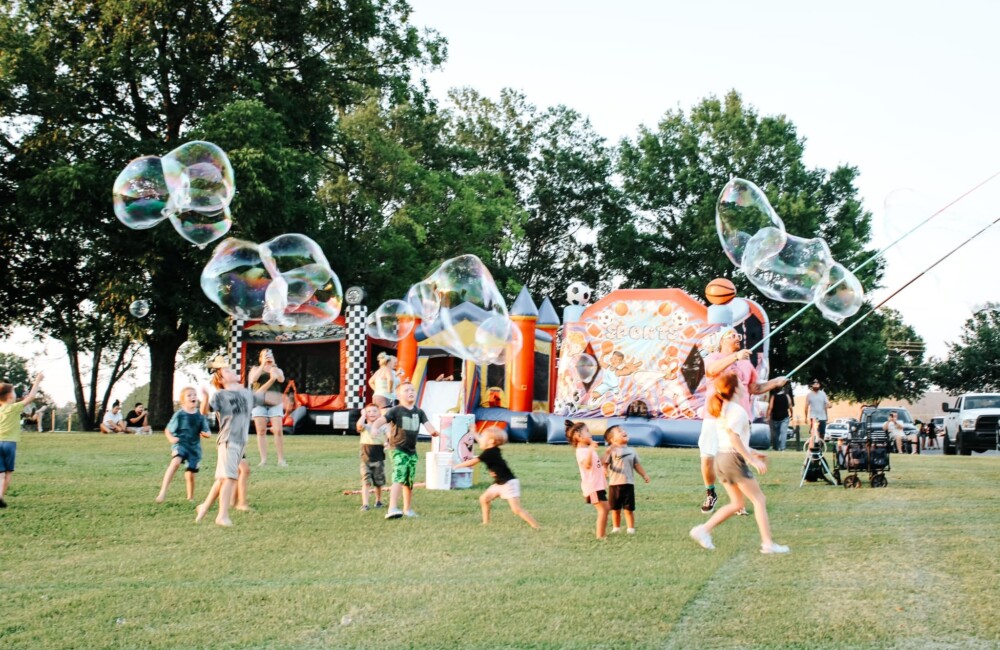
(439, 470)
(461, 479)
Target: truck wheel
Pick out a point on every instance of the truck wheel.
(947, 448)
(963, 444)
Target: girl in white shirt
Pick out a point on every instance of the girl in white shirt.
(732, 465)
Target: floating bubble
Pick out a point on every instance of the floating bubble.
(424, 301)
(782, 266)
(236, 279)
(392, 321)
(496, 340)
(140, 193)
(202, 228)
(276, 302)
(315, 295)
(199, 177)
(139, 308)
(585, 366)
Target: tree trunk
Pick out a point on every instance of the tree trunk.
(162, 361)
(86, 423)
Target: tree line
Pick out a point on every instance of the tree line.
(332, 133)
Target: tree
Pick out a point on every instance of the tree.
(973, 363)
(14, 370)
(87, 86)
(672, 176)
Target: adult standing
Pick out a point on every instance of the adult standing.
(385, 381)
(270, 414)
(817, 404)
(779, 407)
(730, 358)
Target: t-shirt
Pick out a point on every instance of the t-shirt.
(10, 422)
(732, 418)
(621, 465)
(816, 400)
(744, 370)
(894, 428)
(779, 407)
(372, 444)
(405, 426)
(233, 407)
(591, 480)
(187, 427)
(497, 465)
(112, 419)
(133, 419)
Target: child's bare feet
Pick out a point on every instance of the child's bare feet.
(223, 522)
(200, 512)
(244, 508)
(160, 498)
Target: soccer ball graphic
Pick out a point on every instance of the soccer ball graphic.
(578, 293)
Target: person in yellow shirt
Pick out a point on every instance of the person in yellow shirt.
(10, 430)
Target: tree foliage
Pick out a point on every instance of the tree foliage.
(973, 363)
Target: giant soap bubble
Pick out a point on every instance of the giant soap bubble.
(782, 266)
(192, 185)
(284, 281)
(392, 321)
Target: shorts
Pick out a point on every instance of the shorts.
(509, 490)
(731, 467)
(622, 497)
(373, 473)
(189, 455)
(268, 411)
(596, 497)
(708, 441)
(8, 453)
(404, 467)
(821, 429)
(383, 402)
(228, 463)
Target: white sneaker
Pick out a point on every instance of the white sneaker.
(773, 548)
(411, 514)
(394, 513)
(616, 530)
(630, 531)
(702, 536)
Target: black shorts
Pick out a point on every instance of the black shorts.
(596, 497)
(622, 497)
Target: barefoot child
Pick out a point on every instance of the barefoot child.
(505, 484)
(372, 456)
(592, 480)
(10, 430)
(406, 420)
(234, 404)
(184, 431)
(622, 463)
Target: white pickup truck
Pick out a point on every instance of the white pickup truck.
(971, 424)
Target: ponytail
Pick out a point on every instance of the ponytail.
(725, 388)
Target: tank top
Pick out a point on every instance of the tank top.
(386, 383)
(263, 379)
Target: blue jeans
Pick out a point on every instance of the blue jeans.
(779, 434)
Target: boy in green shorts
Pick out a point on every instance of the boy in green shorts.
(10, 430)
(406, 420)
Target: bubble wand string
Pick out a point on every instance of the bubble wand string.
(877, 255)
(892, 295)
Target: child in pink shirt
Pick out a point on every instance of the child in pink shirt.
(592, 480)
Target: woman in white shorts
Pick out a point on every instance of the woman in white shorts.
(268, 414)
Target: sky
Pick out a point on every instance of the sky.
(906, 92)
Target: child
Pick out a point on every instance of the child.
(372, 456)
(234, 404)
(10, 429)
(505, 484)
(406, 420)
(622, 463)
(592, 480)
(184, 431)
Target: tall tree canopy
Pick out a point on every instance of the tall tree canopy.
(87, 86)
(973, 363)
(672, 176)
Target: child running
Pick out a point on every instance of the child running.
(234, 403)
(592, 480)
(622, 462)
(406, 420)
(184, 431)
(10, 430)
(734, 455)
(505, 484)
(372, 456)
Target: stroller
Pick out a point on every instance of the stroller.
(815, 467)
(866, 451)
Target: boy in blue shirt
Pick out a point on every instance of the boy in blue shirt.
(184, 431)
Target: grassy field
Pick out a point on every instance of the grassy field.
(88, 560)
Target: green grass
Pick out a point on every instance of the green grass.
(88, 560)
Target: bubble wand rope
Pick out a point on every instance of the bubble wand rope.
(877, 255)
(892, 295)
